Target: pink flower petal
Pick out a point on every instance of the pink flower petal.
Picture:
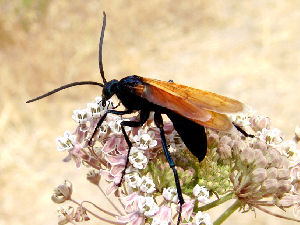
(187, 209)
(164, 214)
(110, 145)
(111, 188)
(135, 217)
(106, 175)
(115, 170)
(130, 202)
(122, 146)
(139, 220)
(116, 159)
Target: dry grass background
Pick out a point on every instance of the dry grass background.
(249, 50)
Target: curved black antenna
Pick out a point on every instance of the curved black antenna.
(100, 48)
(64, 87)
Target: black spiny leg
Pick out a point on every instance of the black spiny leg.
(159, 123)
(243, 132)
(144, 115)
(103, 118)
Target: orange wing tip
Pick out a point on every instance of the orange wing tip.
(247, 109)
(232, 130)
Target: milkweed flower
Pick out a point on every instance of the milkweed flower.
(258, 171)
(170, 194)
(201, 193)
(202, 219)
(80, 116)
(146, 185)
(137, 158)
(66, 142)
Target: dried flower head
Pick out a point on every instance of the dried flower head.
(62, 192)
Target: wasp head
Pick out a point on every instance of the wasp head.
(109, 90)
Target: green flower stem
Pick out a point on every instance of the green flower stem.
(237, 204)
(215, 203)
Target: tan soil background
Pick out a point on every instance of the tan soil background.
(249, 50)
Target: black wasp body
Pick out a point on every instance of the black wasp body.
(192, 134)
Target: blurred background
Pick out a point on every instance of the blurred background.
(248, 50)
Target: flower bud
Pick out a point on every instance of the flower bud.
(288, 201)
(62, 192)
(284, 186)
(259, 175)
(272, 173)
(295, 172)
(270, 185)
(225, 140)
(238, 147)
(259, 122)
(260, 145)
(260, 159)
(274, 158)
(247, 155)
(224, 151)
(283, 173)
(212, 139)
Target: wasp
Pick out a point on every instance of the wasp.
(189, 109)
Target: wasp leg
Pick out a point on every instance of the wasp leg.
(103, 118)
(144, 115)
(159, 123)
(243, 132)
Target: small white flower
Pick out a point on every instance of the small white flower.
(202, 193)
(289, 149)
(146, 185)
(137, 158)
(202, 219)
(66, 142)
(145, 140)
(241, 119)
(115, 126)
(272, 137)
(147, 206)
(170, 194)
(132, 179)
(80, 116)
(95, 110)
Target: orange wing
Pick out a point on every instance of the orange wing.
(203, 99)
(202, 107)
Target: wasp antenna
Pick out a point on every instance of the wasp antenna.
(64, 87)
(100, 48)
